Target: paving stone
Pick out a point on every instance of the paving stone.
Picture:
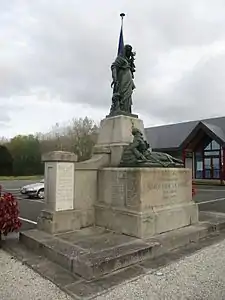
(42, 265)
(65, 248)
(105, 241)
(85, 233)
(20, 250)
(152, 264)
(83, 290)
(89, 289)
(178, 238)
(186, 250)
(120, 276)
(55, 273)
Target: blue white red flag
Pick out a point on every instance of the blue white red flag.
(121, 42)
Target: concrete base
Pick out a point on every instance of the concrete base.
(82, 263)
(94, 252)
(116, 133)
(145, 202)
(118, 130)
(91, 252)
(146, 224)
(64, 221)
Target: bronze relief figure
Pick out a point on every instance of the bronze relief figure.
(138, 154)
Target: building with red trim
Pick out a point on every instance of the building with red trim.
(201, 145)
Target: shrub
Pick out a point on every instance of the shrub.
(9, 214)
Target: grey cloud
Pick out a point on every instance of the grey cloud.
(199, 93)
(68, 50)
(4, 116)
(186, 22)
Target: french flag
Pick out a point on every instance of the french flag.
(121, 42)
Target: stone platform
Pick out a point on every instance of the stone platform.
(90, 252)
(90, 261)
(143, 202)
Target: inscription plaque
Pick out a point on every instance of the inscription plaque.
(64, 186)
(171, 182)
(132, 190)
(124, 189)
(118, 188)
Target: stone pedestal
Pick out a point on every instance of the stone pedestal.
(143, 202)
(115, 133)
(60, 213)
(117, 130)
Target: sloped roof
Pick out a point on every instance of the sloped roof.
(216, 130)
(172, 136)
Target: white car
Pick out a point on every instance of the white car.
(34, 190)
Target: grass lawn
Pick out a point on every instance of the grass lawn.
(34, 177)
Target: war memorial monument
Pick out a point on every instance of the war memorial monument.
(116, 211)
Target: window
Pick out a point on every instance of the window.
(208, 160)
(212, 153)
(208, 148)
(213, 145)
(198, 165)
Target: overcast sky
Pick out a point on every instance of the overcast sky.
(55, 58)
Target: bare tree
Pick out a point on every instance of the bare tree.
(79, 136)
(3, 140)
(82, 134)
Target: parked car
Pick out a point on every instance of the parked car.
(34, 190)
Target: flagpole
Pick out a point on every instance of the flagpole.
(121, 42)
(122, 15)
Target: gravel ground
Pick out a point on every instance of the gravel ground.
(197, 277)
(18, 282)
(200, 276)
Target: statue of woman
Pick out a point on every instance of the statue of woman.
(123, 70)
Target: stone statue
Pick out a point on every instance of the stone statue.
(123, 70)
(138, 154)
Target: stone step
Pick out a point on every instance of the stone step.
(173, 245)
(90, 257)
(42, 265)
(101, 257)
(75, 286)
(79, 288)
(95, 252)
(97, 264)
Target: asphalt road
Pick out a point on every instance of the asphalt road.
(209, 193)
(211, 198)
(29, 208)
